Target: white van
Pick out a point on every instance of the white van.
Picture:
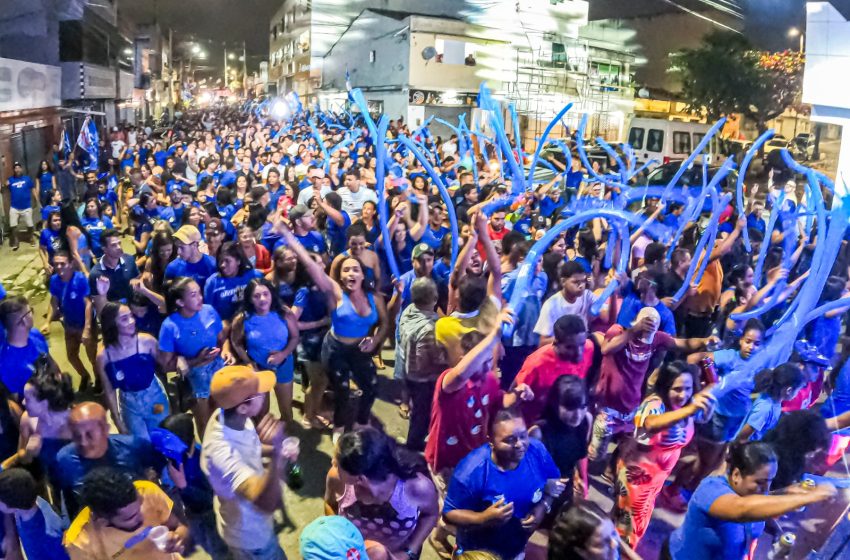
(667, 141)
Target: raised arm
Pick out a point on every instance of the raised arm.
(316, 271)
(758, 507)
(727, 244)
(494, 265)
(471, 361)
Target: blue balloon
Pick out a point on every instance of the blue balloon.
(542, 141)
(444, 193)
(699, 149)
(739, 186)
(380, 174)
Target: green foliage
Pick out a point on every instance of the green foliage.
(727, 75)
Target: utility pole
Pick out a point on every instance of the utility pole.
(225, 65)
(170, 76)
(244, 71)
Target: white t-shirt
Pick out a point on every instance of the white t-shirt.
(352, 202)
(131, 137)
(229, 458)
(307, 193)
(117, 146)
(556, 307)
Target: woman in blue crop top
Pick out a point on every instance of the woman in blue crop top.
(265, 336)
(359, 326)
(127, 364)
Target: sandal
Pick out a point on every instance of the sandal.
(440, 548)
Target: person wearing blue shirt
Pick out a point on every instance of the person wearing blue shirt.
(19, 189)
(500, 492)
(69, 291)
(646, 296)
(22, 346)
(225, 290)
(95, 224)
(39, 527)
(337, 224)
(193, 341)
(726, 514)
(190, 262)
(95, 447)
(303, 223)
(46, 183)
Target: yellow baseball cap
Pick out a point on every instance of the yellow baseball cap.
(232, 385)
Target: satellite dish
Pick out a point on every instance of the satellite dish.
(428, 53)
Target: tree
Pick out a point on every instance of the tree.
(726, 74)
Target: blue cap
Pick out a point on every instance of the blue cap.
(332, 538)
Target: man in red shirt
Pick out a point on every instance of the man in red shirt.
(627, 354)
(571, 353)
(496, 230)
(466, 397)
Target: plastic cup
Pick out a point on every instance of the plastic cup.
(290, 446)
(159, 537)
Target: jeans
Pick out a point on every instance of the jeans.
(143, 410)
(204, 534)
(421, 395)
(201, 376)
(343, 363)
(271, 551)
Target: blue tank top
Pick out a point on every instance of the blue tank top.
(133, 373)
(265, 334)
(345, 321)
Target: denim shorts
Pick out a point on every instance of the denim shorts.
(143, 410)
(201, 376)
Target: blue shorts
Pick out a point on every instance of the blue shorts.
(200, 378)
(285, 372)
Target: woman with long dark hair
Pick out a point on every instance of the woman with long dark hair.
(76, 237)
(162, 252)
(664, 425)
(46, 182)
(225, 290)
(127, 365)
(359, 325)
(385, 491)
(94, 223)
(265, 335)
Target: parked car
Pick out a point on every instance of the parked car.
(669, 141)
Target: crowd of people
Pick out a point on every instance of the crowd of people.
(206, 268)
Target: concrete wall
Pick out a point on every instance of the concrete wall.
(29, 31)
(369, 32)
(651, 40)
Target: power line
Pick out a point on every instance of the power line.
(702, 16)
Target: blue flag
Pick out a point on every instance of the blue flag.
(88, 141)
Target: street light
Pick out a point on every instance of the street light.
(795, 32)
(231, 56)
(196, 49)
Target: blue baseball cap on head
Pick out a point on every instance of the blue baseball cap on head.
(332, 538)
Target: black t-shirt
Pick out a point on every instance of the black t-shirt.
(669, 284)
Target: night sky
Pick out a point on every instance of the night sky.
(216, 20)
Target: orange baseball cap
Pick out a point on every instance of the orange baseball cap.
(232, 385)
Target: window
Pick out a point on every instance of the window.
(655, 140)
(681, 143)
(455, 52)
(636, 138)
